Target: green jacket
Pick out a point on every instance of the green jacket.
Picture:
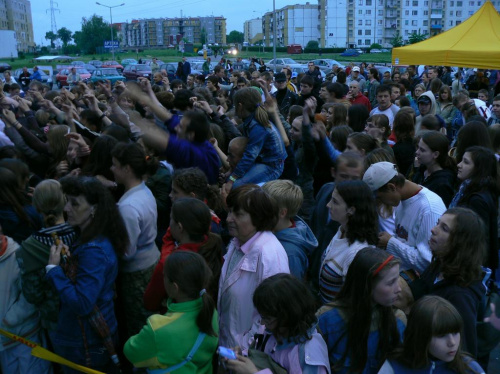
(167, 339)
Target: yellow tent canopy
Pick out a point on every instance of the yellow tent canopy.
(474, 43)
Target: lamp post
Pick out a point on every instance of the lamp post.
(111, 25)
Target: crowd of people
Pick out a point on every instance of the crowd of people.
(251, 221)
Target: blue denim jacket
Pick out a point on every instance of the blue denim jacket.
(96, 275)
(264, 146)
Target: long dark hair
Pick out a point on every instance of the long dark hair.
(107, 220)
(440, 143)
(474, 133)
(461, 262)
(363, 224)
(191, 274)
(355, 298)
(289, 300)
(430, 316)
(100, 159)
(484, 176)
(195, 217)
(12, 196)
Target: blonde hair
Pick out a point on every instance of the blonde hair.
(48, 199)
(286, 194)
(251, 100)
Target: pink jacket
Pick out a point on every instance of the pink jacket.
(263, 257)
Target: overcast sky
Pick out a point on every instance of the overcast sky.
(71, 11)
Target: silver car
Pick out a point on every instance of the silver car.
(327, 64)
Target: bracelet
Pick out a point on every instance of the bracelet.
(102, 116)
(16, 125)
(232, 179)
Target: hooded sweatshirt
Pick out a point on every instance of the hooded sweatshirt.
(299, 242)
(16, 314)
(433, 110)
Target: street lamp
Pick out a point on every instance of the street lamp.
(111, 25)
(274, 34)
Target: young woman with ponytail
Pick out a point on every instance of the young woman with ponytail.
(265, 153)
(189, 230)
(189, 328)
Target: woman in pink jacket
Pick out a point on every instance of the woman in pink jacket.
(254, 254)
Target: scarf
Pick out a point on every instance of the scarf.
(459, 194)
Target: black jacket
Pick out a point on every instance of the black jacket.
(441, 182)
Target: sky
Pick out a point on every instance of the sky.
(71, 12)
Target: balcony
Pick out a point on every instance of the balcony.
(436, 27)
(391, 15)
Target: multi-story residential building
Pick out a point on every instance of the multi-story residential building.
(360, 23)
(252, 30)
(16, 15)
(164, 32)
(296, 24)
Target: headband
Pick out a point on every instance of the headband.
(382, 265)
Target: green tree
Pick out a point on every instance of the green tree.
(49, 35)
(65, 35)
(235, 37)
(203, 36)
(397, 40)
(312, 44)
(93, 34)
(376, 46)
(416, 37)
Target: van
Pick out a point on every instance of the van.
(294, 49)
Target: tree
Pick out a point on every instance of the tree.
(235, 37)
(397, 40)
(49, 35)
(416, 37)
(93, 34)
(65, 35)
(312, 45)
(203, 36)
(376, 46)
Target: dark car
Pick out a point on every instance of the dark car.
(209, 52)
(134, 71)
(112, 64)
(4, 67)
(350, 52)
(171, 68)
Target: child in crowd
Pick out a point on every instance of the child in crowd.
(286, 307)
(185, 337)
(432, 342)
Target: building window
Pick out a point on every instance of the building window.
(459, 3)
(426, 12)
(414, 12)
(415, 3)
(360, 22)
(369, 2)
(368, 22)
(407, 12)
(414, 23)
(459, 13)
(368, 32)
(360, 32)
(367, 42)
(425, 23)
(368, 11)
(360, 11)
(360, 41)
(407, 22)
(380, 12)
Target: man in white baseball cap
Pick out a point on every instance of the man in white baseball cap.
(417, 212)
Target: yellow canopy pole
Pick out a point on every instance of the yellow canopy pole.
(45, 354)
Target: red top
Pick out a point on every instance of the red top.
(155, 292)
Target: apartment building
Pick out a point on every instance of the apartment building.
(164, 32)
(252, 31)
(15, 15)
(295, 24)
(360, 23)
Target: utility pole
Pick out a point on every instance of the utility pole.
(111, 25)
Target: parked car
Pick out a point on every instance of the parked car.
(129, 61)
(375, 50)
(107, 74)
(47, 79)
(4, 67)
(171, 68)
(382, 70)
(148, 61)
(112, 64)
(385, 50)
(282, 62)
(134, 71)
(198, 66)
(90, 68)
(77, 63)
(327, 64)
(301, 69)
(209, 52)
(350, 52)
(62, 76)
(96, 63)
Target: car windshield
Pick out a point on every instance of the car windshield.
(142, 68)
(82, 71)
(109, 72)
(289, 61)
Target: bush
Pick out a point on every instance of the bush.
(21, 55)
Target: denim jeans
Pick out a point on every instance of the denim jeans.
(260, 173)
